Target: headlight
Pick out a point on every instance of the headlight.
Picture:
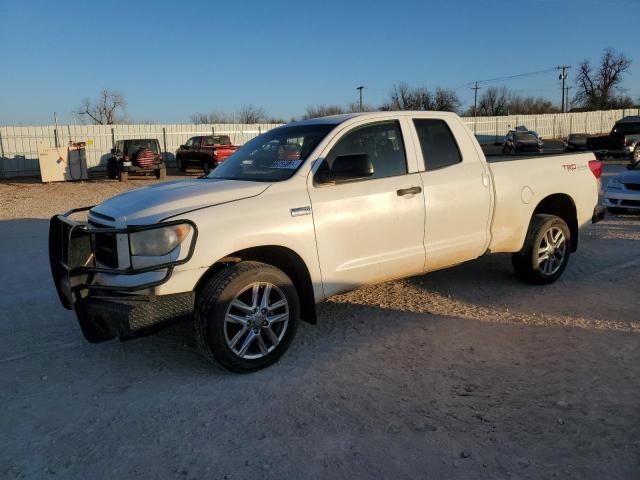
(158, 241)
(615, 184)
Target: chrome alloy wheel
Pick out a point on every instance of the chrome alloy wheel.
(256, 320)
(552, 251)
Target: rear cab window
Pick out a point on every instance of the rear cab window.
(438, 145)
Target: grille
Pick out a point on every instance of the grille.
(632, 186)
(105, 247)
(630, 203)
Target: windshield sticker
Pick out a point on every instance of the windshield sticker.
(288, 164)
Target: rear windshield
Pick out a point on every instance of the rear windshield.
(216, 140)
(134, 145)
(273, 156)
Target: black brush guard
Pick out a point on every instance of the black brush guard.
(107, 311)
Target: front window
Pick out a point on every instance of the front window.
(273, 156)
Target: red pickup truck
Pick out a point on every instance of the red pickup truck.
(205, 151)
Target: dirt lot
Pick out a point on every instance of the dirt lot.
(464, 373)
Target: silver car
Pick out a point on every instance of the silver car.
(623, 192)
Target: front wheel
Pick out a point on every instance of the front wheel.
(546, 250)
(246, 316)
(182, 166)
(206, 167)
(636, 154)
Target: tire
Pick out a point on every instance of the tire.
(616, 210)
(161, 173)
(112, 169)
(206, 167)
(529, 264)
(182, 166)
(636, 154)
(123, 176)
(215, 333)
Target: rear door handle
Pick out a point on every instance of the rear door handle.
(409, 191)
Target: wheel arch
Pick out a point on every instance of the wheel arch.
(282, 258)
(563, 206)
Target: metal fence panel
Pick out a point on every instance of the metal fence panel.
(19, 145)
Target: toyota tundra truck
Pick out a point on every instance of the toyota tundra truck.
(306, 211)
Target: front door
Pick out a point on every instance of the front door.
(369, 230)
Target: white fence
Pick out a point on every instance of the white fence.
(19, 145)
(552, 125)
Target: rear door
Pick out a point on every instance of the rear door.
(372, 229)
(457, 192)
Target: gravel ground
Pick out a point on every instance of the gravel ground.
(462, 373)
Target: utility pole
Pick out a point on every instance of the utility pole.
(360, 88)
(475, 88)
(566, 98)
(563, 77)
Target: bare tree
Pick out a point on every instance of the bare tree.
(213, 117)
(315, 111)
(601, 88)
(405, 97)
(108, 109)
(494, 101)
(446, 100)
(251, 114)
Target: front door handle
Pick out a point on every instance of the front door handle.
(409, 191)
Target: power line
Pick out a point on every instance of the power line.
(507, 77)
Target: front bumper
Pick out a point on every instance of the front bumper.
(105, 317)
(622, 199)
(107, 310)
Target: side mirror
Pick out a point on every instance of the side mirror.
(350, 167)
(184, 147)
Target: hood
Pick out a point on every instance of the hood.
(156, 202)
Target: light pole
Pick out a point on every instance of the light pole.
(360, 88)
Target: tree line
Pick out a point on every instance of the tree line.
(598, 87)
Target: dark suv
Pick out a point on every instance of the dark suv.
(136, 156)
(622, 142)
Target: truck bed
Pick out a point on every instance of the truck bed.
(495, 158)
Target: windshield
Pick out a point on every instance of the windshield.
(134, 145)
(273, 156)
(525, 136)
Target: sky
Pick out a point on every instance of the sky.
(171, 59)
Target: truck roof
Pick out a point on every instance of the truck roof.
(337, 119)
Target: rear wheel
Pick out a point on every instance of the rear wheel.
(182, 166)
(246, 316)
(546, 250)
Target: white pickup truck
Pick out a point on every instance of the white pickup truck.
(306, 211)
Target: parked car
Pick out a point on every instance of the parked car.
(623, 192)
(206, 151)
(575, 142)
(622, 142)
(307, 211)
(519, 141)
(137, 156)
